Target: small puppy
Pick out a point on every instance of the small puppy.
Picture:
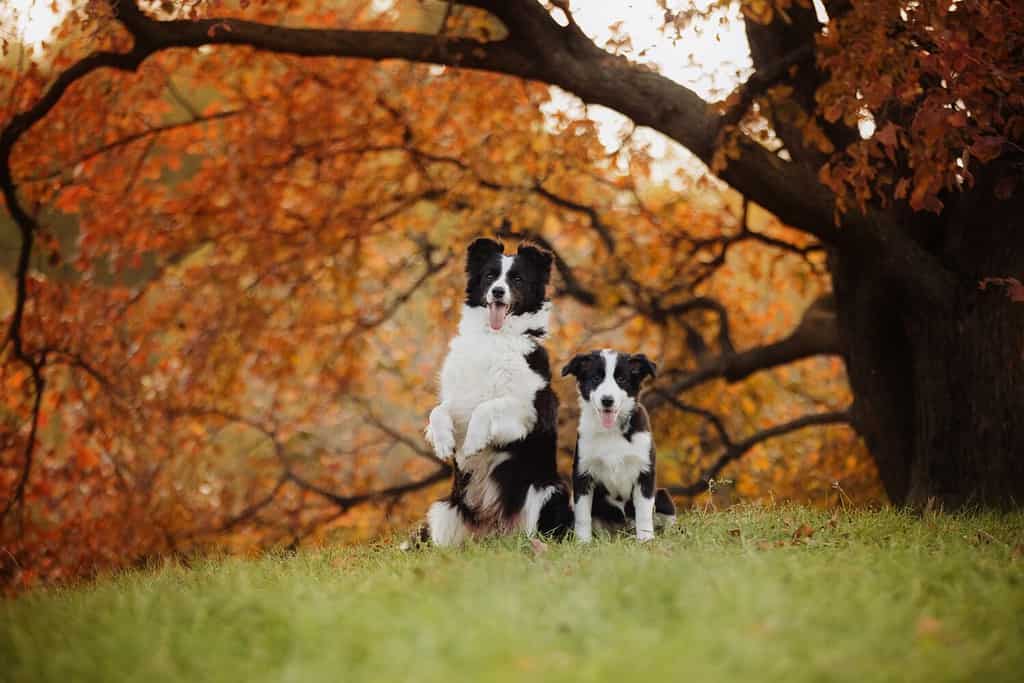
(613, 468)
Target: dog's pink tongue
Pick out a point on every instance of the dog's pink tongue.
(496, 315)
(607, 419)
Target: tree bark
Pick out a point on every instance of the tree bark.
(939, 392)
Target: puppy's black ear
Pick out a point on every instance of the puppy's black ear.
(575, 366)
(537, 258)
(641, 366)
(482, 249)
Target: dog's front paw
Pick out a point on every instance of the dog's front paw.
(477, 436)
(643, 535)
(440, 434)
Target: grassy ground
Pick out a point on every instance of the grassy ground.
(729, 596)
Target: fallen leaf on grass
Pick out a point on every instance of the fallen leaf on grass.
(804, 531)
(735, 532)
(928, 627)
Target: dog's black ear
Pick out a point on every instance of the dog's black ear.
(641, 366)
(481, 249)
(575, 366)
(538, 259)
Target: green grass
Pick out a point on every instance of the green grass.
(871, 597)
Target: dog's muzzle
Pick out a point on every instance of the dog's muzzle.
(497, 308)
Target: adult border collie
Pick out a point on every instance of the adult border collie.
(496, 421)
(613, 468)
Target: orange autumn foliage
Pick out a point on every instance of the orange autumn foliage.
(248, 266)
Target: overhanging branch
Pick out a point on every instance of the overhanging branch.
(734, 450)
(817, 334)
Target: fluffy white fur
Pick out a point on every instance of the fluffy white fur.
(487, 388)
(446, 527)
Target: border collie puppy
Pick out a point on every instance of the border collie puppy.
(613, 468)
(496, 421)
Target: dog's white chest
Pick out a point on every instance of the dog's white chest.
(481, 367)
(610, 459)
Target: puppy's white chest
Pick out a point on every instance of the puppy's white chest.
(610, 459)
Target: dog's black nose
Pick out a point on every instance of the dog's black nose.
(607, 401)
(498, 292)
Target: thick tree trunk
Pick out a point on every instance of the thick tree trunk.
(939, 394)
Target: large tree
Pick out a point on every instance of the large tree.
(912, 217)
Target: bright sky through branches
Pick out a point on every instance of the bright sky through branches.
(709, 56)
(31, 21)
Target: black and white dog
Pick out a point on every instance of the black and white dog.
(613, 468)
(498, 414)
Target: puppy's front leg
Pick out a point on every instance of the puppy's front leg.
(643, 505)
(583, 501)
(498, 422)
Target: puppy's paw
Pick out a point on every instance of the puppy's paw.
(644, 536)
(583, 535)
(440, 434)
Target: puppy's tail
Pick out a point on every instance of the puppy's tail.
(664, 510)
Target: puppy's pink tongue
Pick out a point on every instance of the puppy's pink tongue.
(496, 315)
(607, 419)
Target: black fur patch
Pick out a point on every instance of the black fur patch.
(556, 516)
(638, 422)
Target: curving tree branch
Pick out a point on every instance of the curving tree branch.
(815, 335)
(734, 450)
(289, 476)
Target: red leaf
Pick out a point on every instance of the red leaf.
(1014, 287)
(987, 147)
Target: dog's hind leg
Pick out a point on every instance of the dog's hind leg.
(445, 525)
(547, 511)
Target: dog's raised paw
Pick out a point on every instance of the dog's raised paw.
(476, 441)
(443, 443)
(440, 434)
(477, 435)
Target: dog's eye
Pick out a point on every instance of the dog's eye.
(516, 277)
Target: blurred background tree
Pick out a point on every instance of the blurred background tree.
(231, 269)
